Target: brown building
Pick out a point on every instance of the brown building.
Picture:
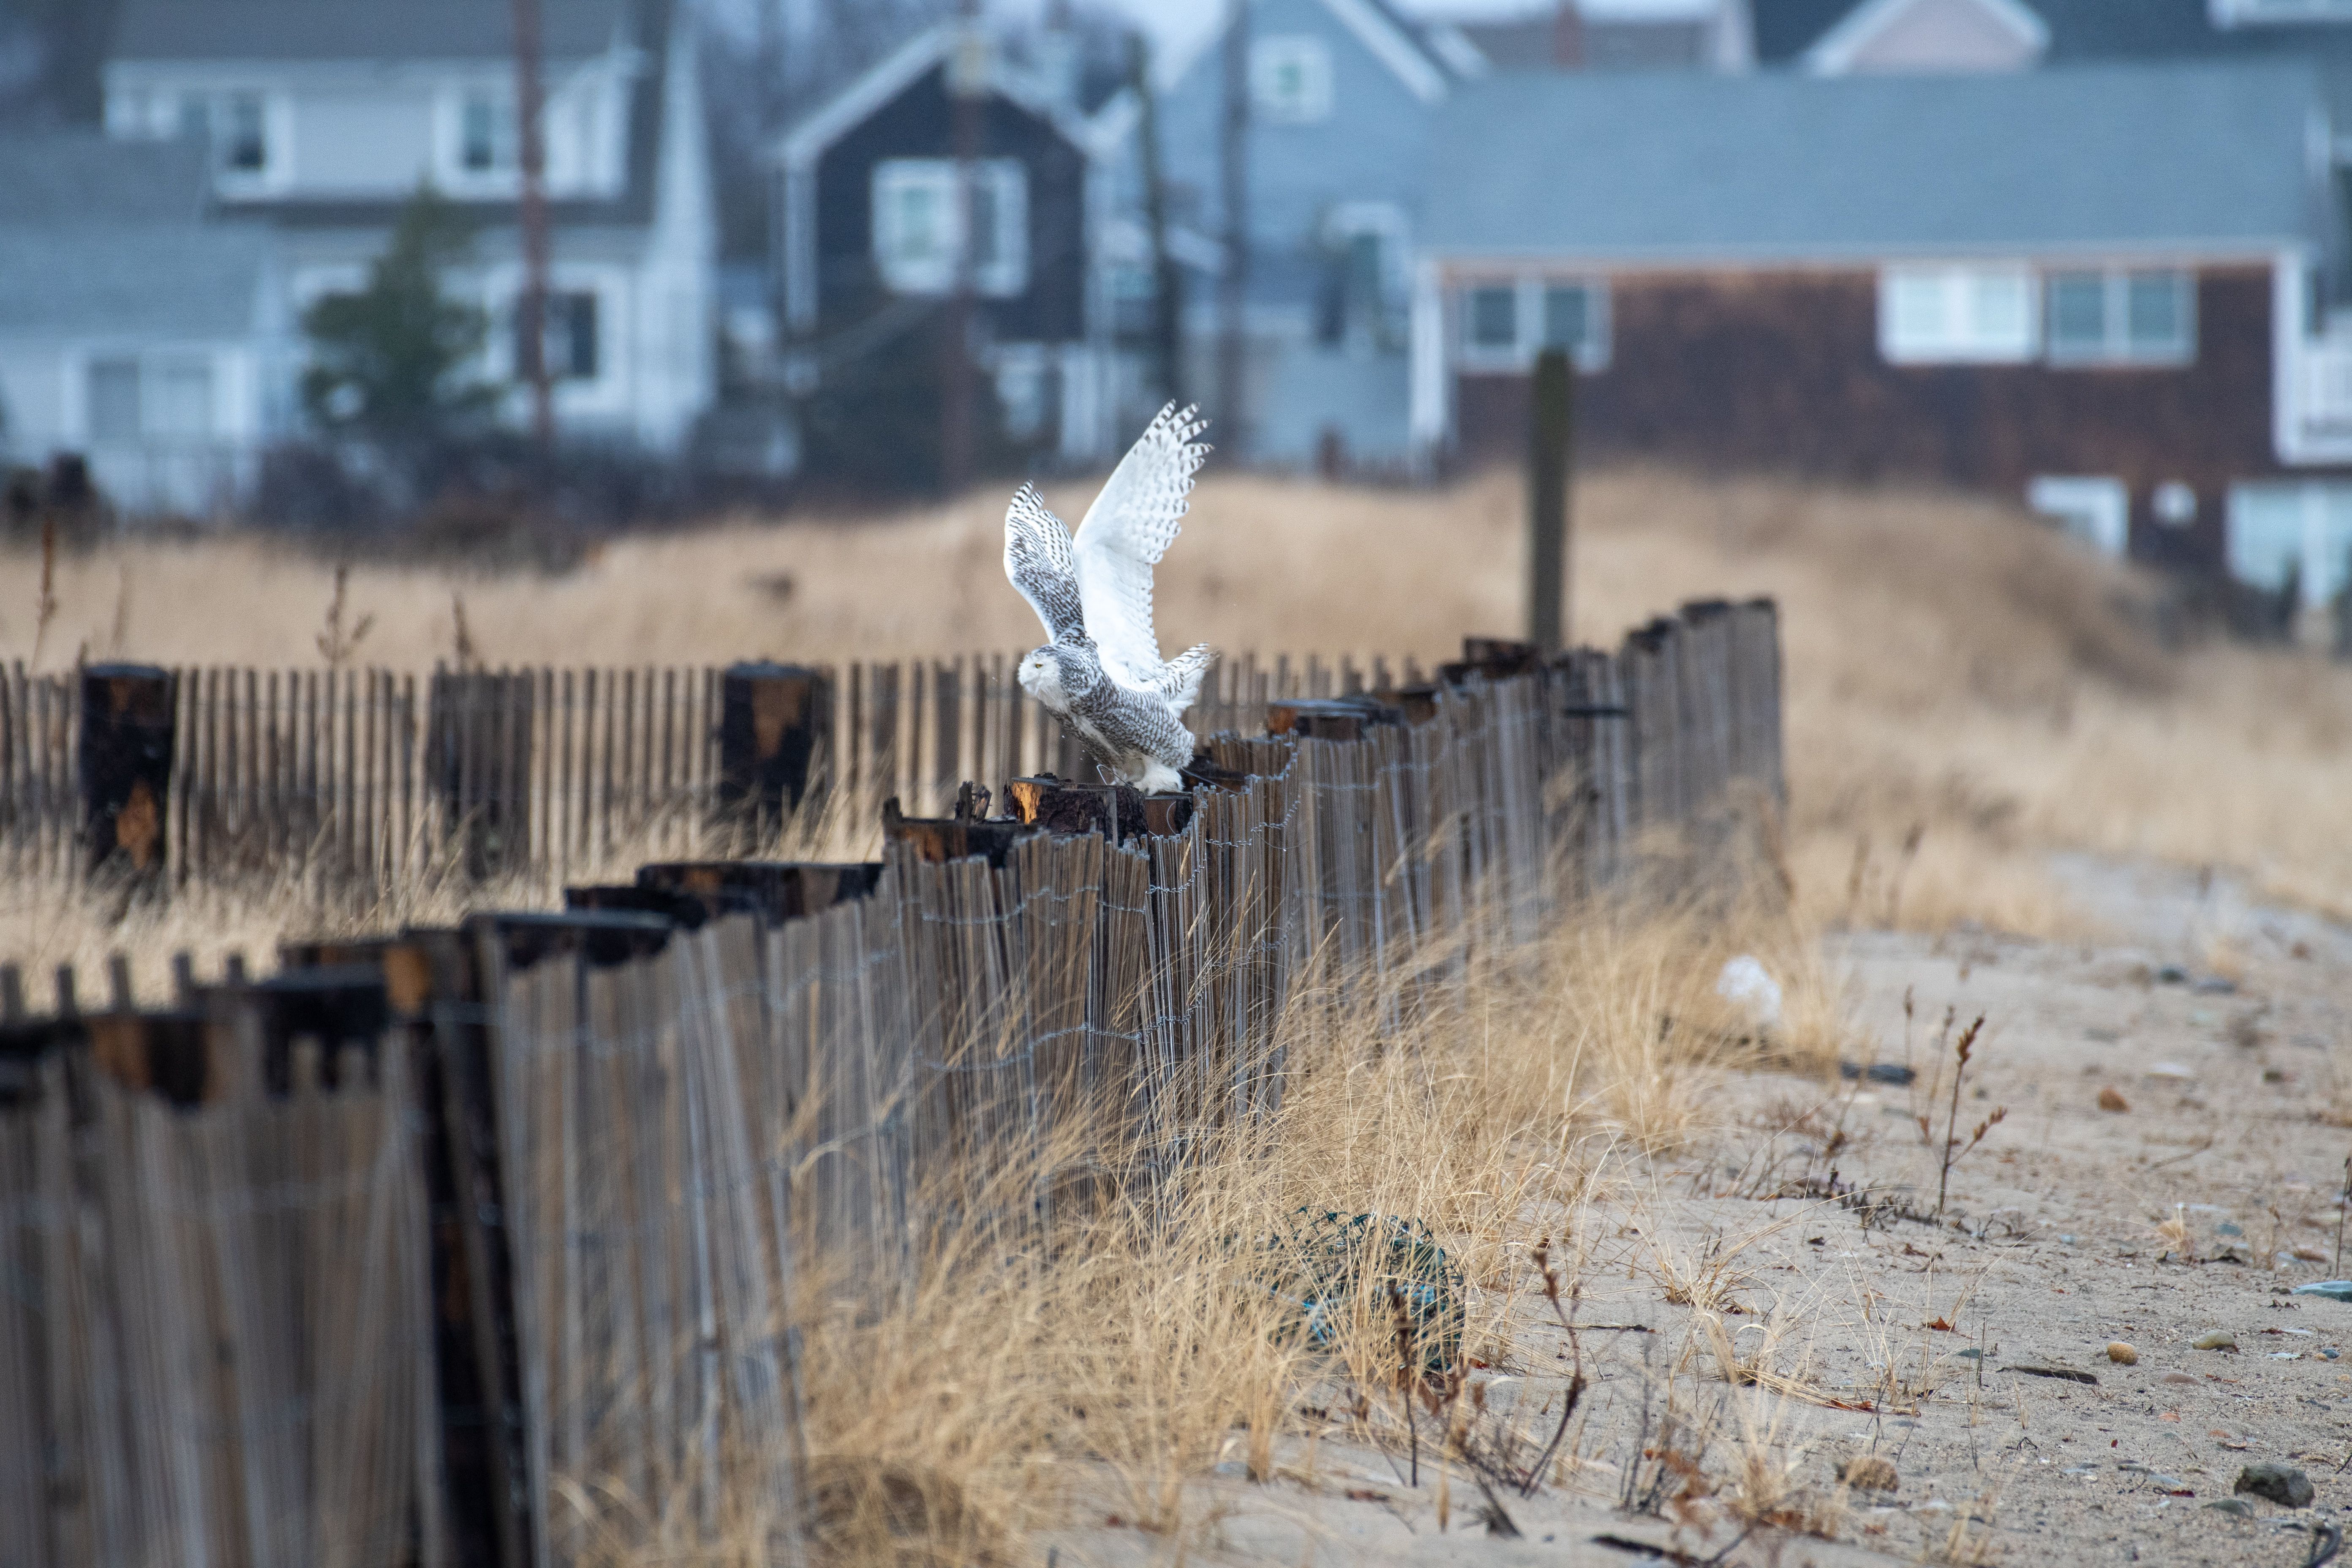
(2103, 290)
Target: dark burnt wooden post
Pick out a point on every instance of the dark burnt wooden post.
(477, 761)
(775, 723)
(128, 721)
(1118, 811)
(1550, 435)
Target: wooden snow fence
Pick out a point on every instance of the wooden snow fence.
(214, 1338)
(536, 1233)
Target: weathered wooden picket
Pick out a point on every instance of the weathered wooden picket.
(648, 1126)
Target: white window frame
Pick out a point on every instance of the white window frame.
(2095, 509)
(1273, 55)
(1527, 290)
(276, 170)
(2116, 346)
(1957, 291)
(1007, 182)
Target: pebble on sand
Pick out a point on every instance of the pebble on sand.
(2282, 1484)
(2122, 1354)
(2110, 1100)
(2219, 1340)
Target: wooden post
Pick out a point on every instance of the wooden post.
(127, 735)
(478, 752)
(773, 723)
(1330, 717)
(1549, 452)
(1118, 811)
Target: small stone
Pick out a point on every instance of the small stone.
(2219, 1340)
(2177, 1377)
(2172, 975)
(2172, 1072)
(2282, 1484)
(2122, 1354)
(1869, 1473)
(2334, 1289)
(2229, 1228)
(2110, 1098)
(2236, 1505)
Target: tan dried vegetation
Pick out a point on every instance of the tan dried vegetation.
(1966, 694)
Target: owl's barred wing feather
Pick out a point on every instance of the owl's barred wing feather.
(1039, 562)
(1179, 678)
(1123, 536)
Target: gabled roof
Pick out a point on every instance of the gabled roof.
(2185, 159)
(805, 139)
(358, 29)
(183, 281)
(2079, 30)
(1426, 57)
(1835, 50)
(80, 177)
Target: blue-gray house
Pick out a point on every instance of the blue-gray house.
(1341, 95)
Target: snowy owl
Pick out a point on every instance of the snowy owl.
(1102, 674)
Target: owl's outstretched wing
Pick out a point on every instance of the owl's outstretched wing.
(1039, 562)
(1179, 678)
(1126, 532)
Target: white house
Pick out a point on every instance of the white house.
(319, 120)
(132, 330)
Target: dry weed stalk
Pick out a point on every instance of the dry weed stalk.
(44, 599)
(1954, 1150)
(336, 645)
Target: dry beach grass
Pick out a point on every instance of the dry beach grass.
(1966, 696)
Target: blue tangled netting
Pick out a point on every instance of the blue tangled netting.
(1328, 1261)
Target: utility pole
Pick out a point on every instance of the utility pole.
(967, 82)
(1551, 439)
(1166, 279)
(530, 310)
(1233, 283)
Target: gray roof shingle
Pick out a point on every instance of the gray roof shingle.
(80, 176)
(2199, 157)
(356, 30)
(140, 283)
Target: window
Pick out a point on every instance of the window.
(2096, 510)
(2122, 317)
(1568, 317)
(1506, 325)
(918, 228)
(181, 405)
(1363, 297)
(115, 400)
(1492, 320)
(1930, 315)
(236, 124)
(1290, 79)
(487, 133)
(571, 338)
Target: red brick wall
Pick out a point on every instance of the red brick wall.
(1780, 371)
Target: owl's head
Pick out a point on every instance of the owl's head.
(1041, 677)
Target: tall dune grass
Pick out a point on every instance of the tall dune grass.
(1959, 680)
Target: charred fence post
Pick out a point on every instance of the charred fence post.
(128, 729)
(1117, 812)
(477, 763)
(774, 720)
(1550, 434)
(432, 991)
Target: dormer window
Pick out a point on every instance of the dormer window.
(1290, 79)
(487, 133)
(234, 125)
